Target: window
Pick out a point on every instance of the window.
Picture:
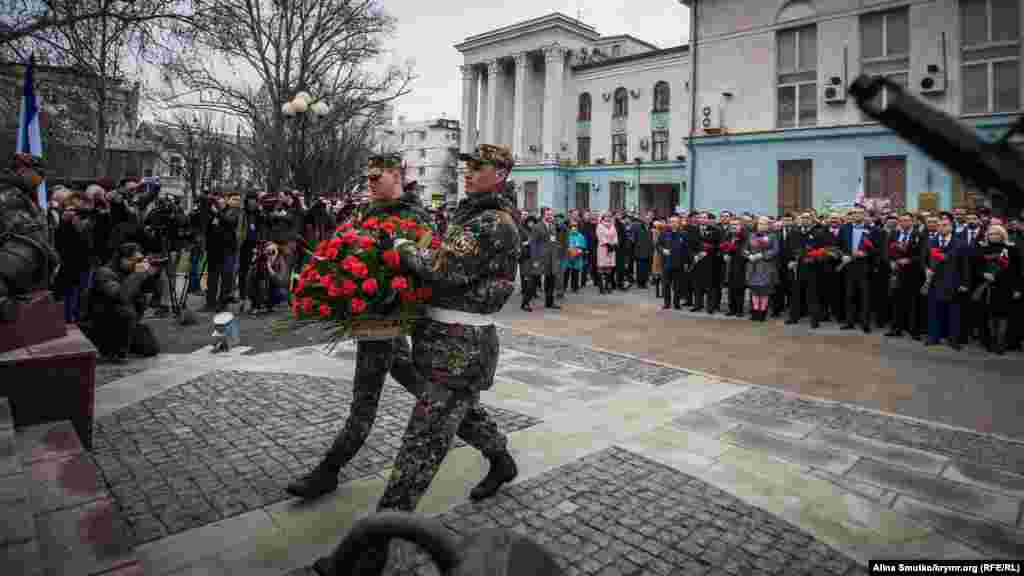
(583, 195)
(617, 201)
(423, 153)
(616, 51)
(885, 178)
(421, 171)
(619, 148)
(795, 186)
(530, 190)
(990, 52)
(659, 146)
(423, 136)
(583, 150)
(661, 97)
(583, 115)
(621, 108)
(885, 48)
(797, 79)
(177, 166)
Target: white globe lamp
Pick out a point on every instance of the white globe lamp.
(299, 105)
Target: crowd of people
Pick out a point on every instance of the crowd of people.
(947, 276)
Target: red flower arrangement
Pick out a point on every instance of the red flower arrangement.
(727, 247)
(897, 251)
(996, 263)
(355, 287)
(708, 247)
(938, 256)
(866, 245)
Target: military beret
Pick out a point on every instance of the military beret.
(500, 156)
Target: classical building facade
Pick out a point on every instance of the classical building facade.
(776, 131)
(429, 151)
(594, 121)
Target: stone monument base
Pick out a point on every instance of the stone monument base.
(38, 319)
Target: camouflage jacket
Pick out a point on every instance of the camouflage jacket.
(474, 269)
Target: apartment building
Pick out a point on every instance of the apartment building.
(776, 131)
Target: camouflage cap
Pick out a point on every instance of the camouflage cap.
(378, 163)
(499, 156)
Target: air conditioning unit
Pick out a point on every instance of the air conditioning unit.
(934, 81)
(710, 119)
(835, 89)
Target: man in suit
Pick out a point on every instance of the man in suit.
(545, 237)
(859, 247)
(642, 251)
(947, 283)
(690, 224)
(905, 263)
(972, 314)
(675, 252)
(805, 272)
(830, 279)
(881, 276)
(589, 230)
(783, 229)
(708, 292)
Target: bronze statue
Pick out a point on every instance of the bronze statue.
(27, 258)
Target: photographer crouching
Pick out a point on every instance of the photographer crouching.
(166, 235)
(117, 304)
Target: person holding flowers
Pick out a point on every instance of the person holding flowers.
(905, 264)
(390, 210)
(945, 280)
(735, 263)
(859, 246)
(762, 274)
(472, 274)
(1002, 285)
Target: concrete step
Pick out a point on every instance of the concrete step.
(59, 518)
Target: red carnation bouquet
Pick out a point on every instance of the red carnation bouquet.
(727, 247)
(996, 263)
(708, 247)
(355, 288)
(897, 251)
(935, 257)
(866, 245)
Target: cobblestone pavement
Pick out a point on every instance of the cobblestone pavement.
(228, 442)
(618, 513)
(981, 449)
(605, 362)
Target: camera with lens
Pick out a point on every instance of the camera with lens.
(166, 222)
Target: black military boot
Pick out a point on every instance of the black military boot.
(503, 469)
(321, 480)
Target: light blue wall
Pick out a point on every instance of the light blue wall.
(557, 184)
(740, 173)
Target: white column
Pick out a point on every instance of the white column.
(519, 145)
(554, 73)
(490, 133)
(469, 97)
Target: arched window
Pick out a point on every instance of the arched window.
(621, 109)
(584, 108)
(661, 97)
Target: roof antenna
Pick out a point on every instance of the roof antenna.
(579, 12)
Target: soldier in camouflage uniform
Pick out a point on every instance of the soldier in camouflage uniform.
(375, 358)
(27, 259)
(473, 274)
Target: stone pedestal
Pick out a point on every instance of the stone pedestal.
(52, 381)
(39, 319)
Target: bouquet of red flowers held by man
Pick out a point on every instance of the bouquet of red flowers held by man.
(935, 257)
(355, 288)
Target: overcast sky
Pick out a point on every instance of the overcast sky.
(428, 31)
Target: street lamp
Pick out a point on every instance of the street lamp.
(303, 107)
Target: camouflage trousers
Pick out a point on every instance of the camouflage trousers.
(448, 406)
(374, 360)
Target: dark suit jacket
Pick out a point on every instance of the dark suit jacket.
(677, 243)
(949, 274)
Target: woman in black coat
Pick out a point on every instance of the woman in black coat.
(998, 266)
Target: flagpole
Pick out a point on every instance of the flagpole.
(29, 136)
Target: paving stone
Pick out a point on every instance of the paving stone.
(10, 460)
(48, 441)
(862, 488)
(931, 489)
(705, 423)
(234, 439)
(797, 451)
(598, 379)
(998, 540)
(980, 449)
(6, 419)
(64, 483)
(14, 488)
(534, 378)
(894, 454)
(641, 496)
(779, 426)
(988, 478)
(21, 559)
(18, 524)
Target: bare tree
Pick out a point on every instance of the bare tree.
(283, 48)
(23, 19)
(97, 40)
